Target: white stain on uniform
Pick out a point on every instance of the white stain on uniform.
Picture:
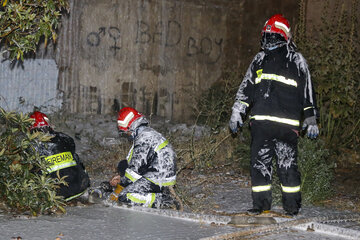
(263, 164)
(240, 95)
(285, 154)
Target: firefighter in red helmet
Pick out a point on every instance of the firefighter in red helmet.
(277, 92)
(150, 167)
(60, 152)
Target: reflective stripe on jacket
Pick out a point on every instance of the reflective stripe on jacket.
(151, 157)
(277, 87)
(60, 153)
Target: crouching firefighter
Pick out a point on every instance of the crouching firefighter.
(60, 153)
(149, 171)
(277, 88)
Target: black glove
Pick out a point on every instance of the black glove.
(122, 166)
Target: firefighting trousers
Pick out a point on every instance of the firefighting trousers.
(77, 181)
(270, 140)
(143, 193)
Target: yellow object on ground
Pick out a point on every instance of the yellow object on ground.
(114, 195)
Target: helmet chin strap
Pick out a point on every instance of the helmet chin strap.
(272, 48)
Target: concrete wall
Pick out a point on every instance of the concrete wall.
(154, 55)
(32, 83)
(255, 13)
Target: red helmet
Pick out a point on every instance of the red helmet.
(126, 117)
(278, 24)
(41, 120)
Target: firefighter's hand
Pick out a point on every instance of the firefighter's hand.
(235, 121)
(115, 180)
(312, 128)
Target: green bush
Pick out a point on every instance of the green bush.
(213, 107)
(317, 172)
(242, 148)
(332, 53)
(22, 186)
(25, 23)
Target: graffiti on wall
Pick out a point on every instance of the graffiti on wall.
(93, 39)
(205, 46)
(167, 34)
(157, 43)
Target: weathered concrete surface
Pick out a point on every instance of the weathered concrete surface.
(156, 55)
(26, 85)
(152, 55)
(253, 18)
(99, 222)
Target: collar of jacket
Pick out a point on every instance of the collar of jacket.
(137, 131)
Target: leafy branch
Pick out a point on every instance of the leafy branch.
(26, 23)
(23, 187)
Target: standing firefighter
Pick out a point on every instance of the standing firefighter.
(60, 153)
(277, 88)
(150, 167)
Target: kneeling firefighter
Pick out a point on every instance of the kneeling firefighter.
(60, 152)
(150, 167)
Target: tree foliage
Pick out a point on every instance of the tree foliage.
(332, 52)
(213, 107)
(23, 23)
(23, 186)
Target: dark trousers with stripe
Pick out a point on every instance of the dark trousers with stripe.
(271, 140)
(135, 193)
(77, 181)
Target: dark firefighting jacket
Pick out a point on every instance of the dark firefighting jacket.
(60, 153)
(150, 158)
(277, 87)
